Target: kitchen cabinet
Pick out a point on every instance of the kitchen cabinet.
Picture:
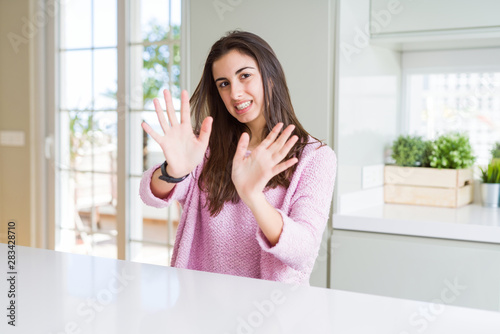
(406, 16)
(425, 24)
(413, 252)
(416, 268)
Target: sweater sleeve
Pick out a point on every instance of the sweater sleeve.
(178, 193)
(304, 223)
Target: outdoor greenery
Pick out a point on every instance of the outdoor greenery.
(156, 58)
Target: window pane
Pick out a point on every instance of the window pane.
(152, 254)
(154, 21)
(466, 102)
(152, 72)
(76, 80)
(67, 200)
(105, 23)
(138, 141)
(104, 142)
(76, 128)
(104, 197)
(152, 224)
(71, 241)
(176, 19)
(104, 245)
(144, 150)
(76, 24)
(87, 204)
(83, 191)
(105, 79)
(176, 77)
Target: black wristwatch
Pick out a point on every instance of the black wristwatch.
(167, 178)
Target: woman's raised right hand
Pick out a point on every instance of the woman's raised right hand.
(182, 149)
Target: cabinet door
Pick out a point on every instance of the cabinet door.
(406, 16)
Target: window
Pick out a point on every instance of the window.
(463, 101)
(454, 90)
(100, 141)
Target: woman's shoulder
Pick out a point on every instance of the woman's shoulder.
(318, 150)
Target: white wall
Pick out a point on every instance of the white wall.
(367, 104)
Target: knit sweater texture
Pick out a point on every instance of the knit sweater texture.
(232, 242)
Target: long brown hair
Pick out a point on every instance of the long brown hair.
(215, 178)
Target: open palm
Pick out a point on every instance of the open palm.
(182, 149)
(251, 173)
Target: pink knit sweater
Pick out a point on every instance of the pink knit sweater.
(232, 242)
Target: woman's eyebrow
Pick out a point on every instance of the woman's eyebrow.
(236, 73)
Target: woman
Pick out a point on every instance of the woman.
(255, 198)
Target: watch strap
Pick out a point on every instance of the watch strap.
(167, 178)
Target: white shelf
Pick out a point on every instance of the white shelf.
(471, 222)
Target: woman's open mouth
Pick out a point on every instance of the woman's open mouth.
(243, 107)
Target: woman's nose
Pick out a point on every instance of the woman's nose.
(236, 90)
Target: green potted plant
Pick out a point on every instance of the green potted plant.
(408, 151)
(435, 173)
(452, 151)
(490, 187)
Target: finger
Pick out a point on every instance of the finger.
(242, 147)
(185, 108)
(268, 141)
(278, 144)
(161, 117)
(149, 130)
(288, 146)
(284, 166)
(206, 129)
(170, 108)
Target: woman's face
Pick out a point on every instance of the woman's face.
(239, 82)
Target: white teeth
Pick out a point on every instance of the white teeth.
(243, 105)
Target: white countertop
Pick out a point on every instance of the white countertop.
(471, 222)
(66, 293)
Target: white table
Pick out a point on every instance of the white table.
(66, 293)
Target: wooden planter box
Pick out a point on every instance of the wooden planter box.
(428, 186)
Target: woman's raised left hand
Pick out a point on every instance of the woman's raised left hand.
(251, 174)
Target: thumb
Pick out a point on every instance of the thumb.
(242, 147)
(206, 129)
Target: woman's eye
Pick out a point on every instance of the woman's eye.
(246, 75)
(223, 84)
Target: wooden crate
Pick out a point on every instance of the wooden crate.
(428, 186)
